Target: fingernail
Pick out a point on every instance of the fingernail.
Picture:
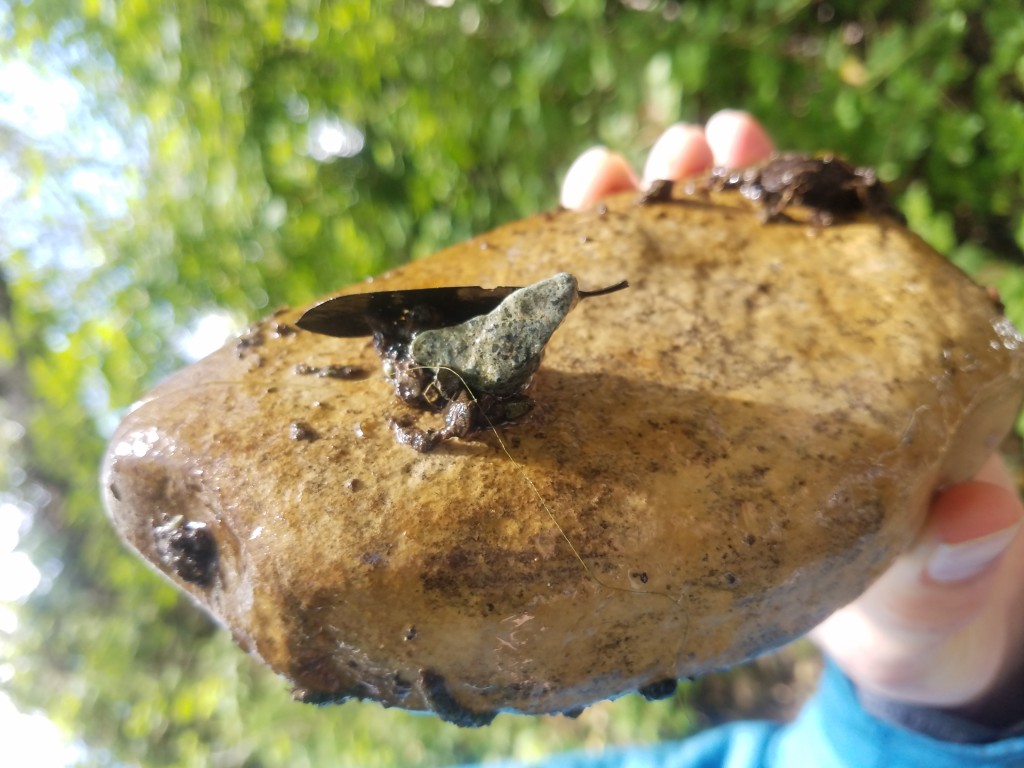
(737, 139)
(679, 152)
(598, 172)
(959, 562)
(580, 176)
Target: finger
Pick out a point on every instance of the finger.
(973, 527)
(681, 151)
(933, 629)
(737, 139)
(596, 173)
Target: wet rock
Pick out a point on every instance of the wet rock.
(755, 427)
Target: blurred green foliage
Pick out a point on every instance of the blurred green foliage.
(469, 112)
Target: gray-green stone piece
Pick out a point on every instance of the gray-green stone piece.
(497, 353)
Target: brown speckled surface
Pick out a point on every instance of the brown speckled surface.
(736, 445)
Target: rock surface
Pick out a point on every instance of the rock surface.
(734, 446)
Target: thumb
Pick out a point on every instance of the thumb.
(939, 626)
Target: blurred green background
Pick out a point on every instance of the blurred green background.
(172, 171)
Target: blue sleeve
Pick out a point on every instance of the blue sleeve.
(832, 731)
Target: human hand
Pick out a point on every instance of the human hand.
(943, 627)
(730, 138)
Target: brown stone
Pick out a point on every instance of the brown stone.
(733, 447)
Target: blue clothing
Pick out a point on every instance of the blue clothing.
(832, 731)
